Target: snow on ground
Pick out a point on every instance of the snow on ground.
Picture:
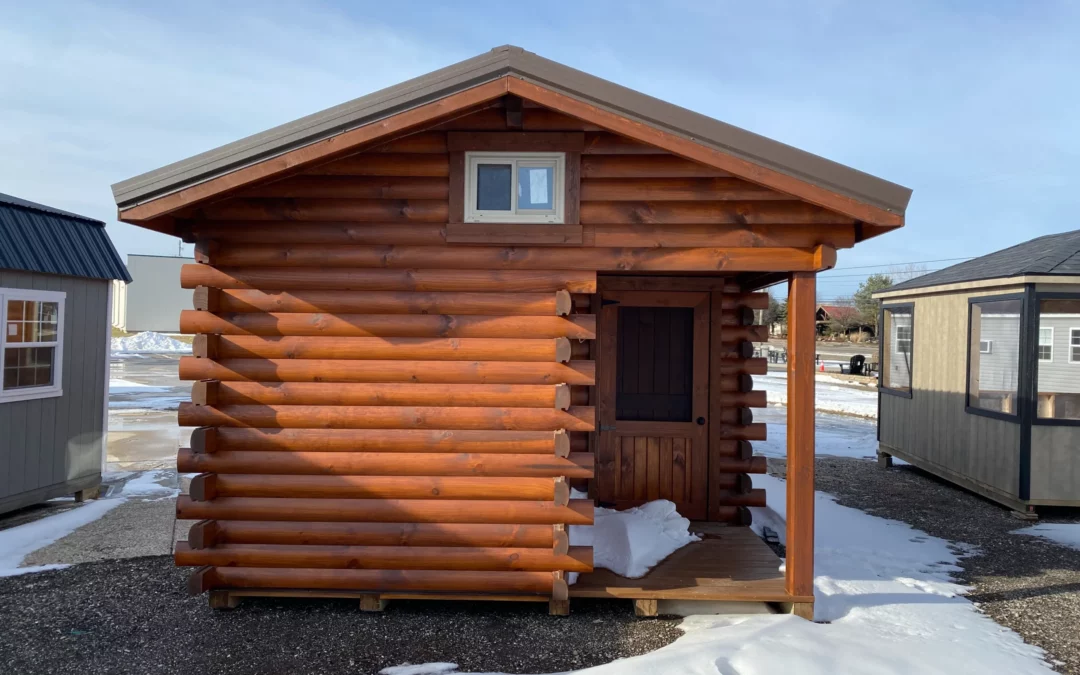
(829, 397)
(1066, 534)
(18, 542)
(128, 387)
(836, 435)
(149, 341)
(148, 484)
(152, 403)
(632, 542)
(888, 604)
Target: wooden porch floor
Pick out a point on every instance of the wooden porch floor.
(729, 563)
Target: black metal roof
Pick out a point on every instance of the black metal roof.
(513, 62)
(1054, 254)
(39, 238)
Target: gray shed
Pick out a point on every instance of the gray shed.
(56, 269)
(980, 373)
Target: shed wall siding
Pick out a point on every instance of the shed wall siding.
(51, 441)
(1055, 463)
(932, 425)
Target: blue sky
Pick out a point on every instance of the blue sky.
(974, 105)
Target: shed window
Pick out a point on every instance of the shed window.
(31, 344)
(1058, 380)
(522, 187)
(993, 376)
(896, 363)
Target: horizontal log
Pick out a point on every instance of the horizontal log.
(659, 213)
(741, 316)
(755, 497)
(675, 189)
(577, 559)
(750, 432)
(732, 450)
(460, 280)
(579, 326)
(381, 534)
(378, 487)
(385, 417)
(734, 415)
(756, 464)
(389, 302)
(606, 143)
(323, 232)
(746, 399)
(353, 187)
(240, 439)
(577, 465)
(423, 349)
(737, 383)
(384, 394)
(385, 164)
(672, 235)
(737, 483)
(731, 365)
(433, 142)
(747, 333)
(330, 370)
(645, 166)
(749, 300)
(734, 350)
(577, 512)
(533, 583)
(515, 141)
(716, 259)
(310, 209)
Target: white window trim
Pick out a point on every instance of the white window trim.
(1038, 344)
(1073, 331)
(555, 216)
(51, 391)
(989, 346)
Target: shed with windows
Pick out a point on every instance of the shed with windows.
(56, 269)
(980, 373)
(426, 314)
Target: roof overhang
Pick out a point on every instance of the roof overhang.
(150, 198)
(980, 284)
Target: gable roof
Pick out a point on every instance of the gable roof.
(39, 238)
(516, 64)
(1053, 254)
(838, 311)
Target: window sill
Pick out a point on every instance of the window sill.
(13, 397)
(992, 414)
(513, 233)
(901, 393)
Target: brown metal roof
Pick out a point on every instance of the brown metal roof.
(515, 62)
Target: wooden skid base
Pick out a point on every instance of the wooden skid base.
(375, 602)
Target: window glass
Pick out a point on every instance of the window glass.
(29, 342)
(897, 354)
(28, 367)
(536, 187)
(493, 187)
(655, 373)
(993, 374)
(1058, 380)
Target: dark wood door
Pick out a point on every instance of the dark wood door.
(653, 399)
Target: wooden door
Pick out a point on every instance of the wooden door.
(653, 399)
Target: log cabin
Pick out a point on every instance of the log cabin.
(424, 315)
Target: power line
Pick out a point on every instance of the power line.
(914, 262)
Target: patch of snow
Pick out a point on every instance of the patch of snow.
(152, 403)
(829, 397)
(631, 542)
(835, 435)
(888, 596)
(149, 341)
(1066, 534)
(18, 542)
(147, 484)
(420, 669)
(128, 387)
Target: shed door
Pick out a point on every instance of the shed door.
(654, 399)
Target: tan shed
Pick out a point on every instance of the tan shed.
(425, 315)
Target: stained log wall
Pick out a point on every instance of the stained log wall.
(389, 400)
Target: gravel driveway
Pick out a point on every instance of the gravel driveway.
(132, 616)
(1025, 583)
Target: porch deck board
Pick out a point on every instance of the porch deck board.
(729, 563)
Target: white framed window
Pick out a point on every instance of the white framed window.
(1074, 345)
(986, 346)
(903, 338)
(896, 356)
(31, 344)
(514, 187)
(1046, 344)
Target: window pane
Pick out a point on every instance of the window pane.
(993, 375)
(896, 365)
(15, 310)
(654, 378)
(535, 188)
(1058, 379)
(493, 187)
(28, 367)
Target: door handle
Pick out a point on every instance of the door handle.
(701, 421)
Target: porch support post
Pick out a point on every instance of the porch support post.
(800, 439)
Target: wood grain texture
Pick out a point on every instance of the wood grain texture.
(800, 438)
(242, 439)
(539, 583)
(385, 394)
(386, 302)
(423, 349)
(382, 534)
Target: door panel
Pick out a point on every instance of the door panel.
(653, 399)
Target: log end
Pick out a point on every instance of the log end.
(563, 302)
(562, 443)
(562, 396)
(204, 439)
(562, 350)
(201, 580)
(203, 487)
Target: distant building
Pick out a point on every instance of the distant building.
(828, 315)
(55, 272)
(981, 373)
(153, 299)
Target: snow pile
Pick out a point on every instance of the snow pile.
(420, 669)
(886, 591)
(829, 397)
(1066, 534)
(129, 387)
(18, 542)
(148, 485)
(149, 341)
(631, 542)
